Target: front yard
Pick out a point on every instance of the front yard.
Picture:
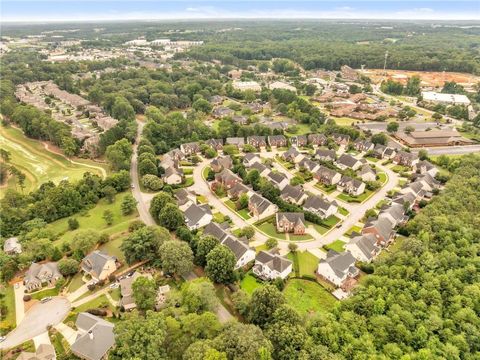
(308, 297)
(326, 189)
(337, 245)
(355, 199)
(242, 213)
(356, 229)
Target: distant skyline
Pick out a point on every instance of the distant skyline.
(90, 10)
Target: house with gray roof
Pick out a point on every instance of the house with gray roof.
(12, 246)
(43, 352)
(293, 194)
(338, 268)
(98, 265)
(270, 266)
(290, 222)
(197, 216)
(39, 275)
(227, 178)
(95, 337)
(260, 207)
(351, 186)
(379, 151)
(381, 228)
(395, 213)
(367, 173)
(250, 159)
(317, 139)
(406, 200)
(320, 206)
(308, 165)
(292, 155)
(363, 145)
(277, 179)
(239, 142)
(243, 253)
(327, 176)
(173, 176)
(258, 142)
(262, 169)
(325, 155)
(221, 162)
(299, 140)
(216, 230)
(237, 190)
(185, 198)
(190, 148)
(347, 161)
(216, 144)
(127, 300)
(363, 247)
(276, 141)
(425, 167)
(405, 158)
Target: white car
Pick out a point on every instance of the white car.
(45, 299)
(114, 286)
(2, 338)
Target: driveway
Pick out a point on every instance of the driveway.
(19, 305)
(42, 339)
(68, 333)
(36, 321)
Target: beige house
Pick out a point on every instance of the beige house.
(99, 265)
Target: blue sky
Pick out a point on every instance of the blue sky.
(66, 10)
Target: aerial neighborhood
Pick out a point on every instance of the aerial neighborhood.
(239, 190)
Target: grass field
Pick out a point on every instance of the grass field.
(113, 248)
(356, 229)
(270, 229)
(308, 297)
(95, 303)
(382, 177)
(92, 219)
(343, 211)
(76, 282)
(242, 213)
(355, 199)
(249, 283)
(40, 165)
(307, 262)
(9, 301)
(325, 189)
(344, 121)
(337, 245)
(44, 293)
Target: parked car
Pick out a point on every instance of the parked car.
(2, 338)
(114, 286)
(45, 299)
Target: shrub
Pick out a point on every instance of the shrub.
(27, 298)
(73, 224)
(97, 312)
(135, 225)
(152, 182)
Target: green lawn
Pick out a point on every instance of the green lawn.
(249, 283)
(262, 247)
(187, 171)
(218, 217)
(331, 221)
(76, 282)
(356, 229)
(40, 165)
(44, 293)
(307, 262)
(59, 343)
(343, 211)
(308, 297)
(320, 229)
(242, 213)
(9, 301)
(205, 172)
(95, 303)
(115, 294)
(303, 237)
(400, 168)
(92, 219)
(113, 248)
(382, 177)
(381, 203)
(202, 199)
(344, 121)
(372, 159)
(325, 189)
(270, 229)
(355, 199)
(337, 245)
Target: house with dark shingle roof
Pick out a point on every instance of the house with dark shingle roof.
(95, 337)
(218, 231)
(379, 151)
(173, 176)
(127, 300)
(341, 139)
(262, 169)
(293, 194)
(217, 144)
(227, 178)
(367, 173)
(190, 148)
(237, 190)
(221, 162)
(243, 253)
(406, 200)
(299, 140)
(351, 186)
(277, 141)
(277, 179)
(327, 176)
(99, 265)
(405, 158)
(347, 161)
(317, 139)
(292, 155)
(363, 145)
(395, 213)
(320, 206)
(381, 228)
(197, 216)
(308, 165)
(258, 142)
(39, 275)
(425, 167)
(185, 198)
(363, 247)
(325, 155)
(290, 223)
(250, 159)
(239, 142)
(338, 268)
(261, 207)
(270, 266)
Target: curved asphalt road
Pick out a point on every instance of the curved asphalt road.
(36, 321)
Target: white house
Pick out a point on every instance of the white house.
(197, 216)
(338, 268)
(320, 206)
(270, 266)
(363, 247)
(243, 253)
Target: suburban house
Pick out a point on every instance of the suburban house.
(327, 176)
(405, 158)
(367, 173)
(308, 165)
(39, 275)
(317, 139)
(270, 266)
(216, 99)
(12, 246)
(363, 145)
(395, 213)
(216, 144)
(221, 162)
(381, 228)
(254, 107)
(98, 265)
(43, 352)
(236, 190)
(197, 216)
(261, 207)
(347, 161)
(277, 179)
(175, 155)
(338, 268)
(240, 119)
(243, 253)
(415, 188)
(95, 337)
(379, 151)
(293, 194)
(389, 153)
(216, 230)
(428, 182)
(292, 155)
(127, 301)
(325, 155)
(239, 142)
(173, 176)
(425, 167)
(276, 141)
(262, 169)
(250, 159)
(363, 247)
(222, 111)
(185, 198)
(406, 200)
(227, 178)
(299, 140)
(258, 142)
(290, 223)
(351, 186)
(320, 206)
(341, 139)
(190, 148)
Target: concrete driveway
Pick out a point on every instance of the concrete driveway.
(36, 321)
(19, 291)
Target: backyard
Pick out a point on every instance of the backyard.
(8, 300)
(308, 297)
(249, 283)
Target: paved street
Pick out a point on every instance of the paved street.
(451, 150)
(36, 321)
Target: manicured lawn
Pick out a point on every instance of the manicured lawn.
(242, 213)
(40, 165)
(115, 294)
(307, 262)
(9, 301)
(320, 229)
(356, 229)
(402, 182)
(270, 229)
(95, 303)
(92, 219)
(400, 168)
(205, 172)
(381, 203)
(187, 171)
(76, 282)
(331, 221)
(59, 343)
(262, 247)
(337, 245)
(325, 189)
(250, 283)
(202, 199)
(308, 297)
(188, 181)
(344, 121)
(231, 204)
(382, 177)
(218, 217)
(355, 199)
(44, 293)
(343, 211)
(113, 248)
(303, 237)
(372, 159)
